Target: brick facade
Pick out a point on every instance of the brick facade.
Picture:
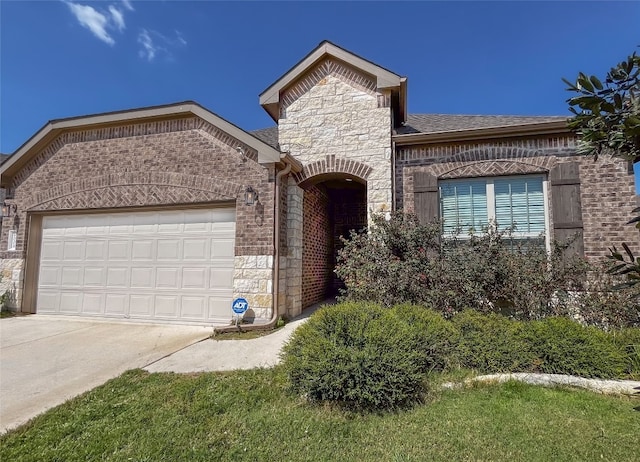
(317, 249)
(607, 185)
(336, 117)
(172, 163)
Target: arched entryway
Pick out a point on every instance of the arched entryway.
(333, 205)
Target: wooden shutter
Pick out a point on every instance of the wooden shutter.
(566, 205)
(425, 197)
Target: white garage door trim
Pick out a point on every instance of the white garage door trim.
(174, 265)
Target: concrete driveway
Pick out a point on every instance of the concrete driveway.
(46, 360)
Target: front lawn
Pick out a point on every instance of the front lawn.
(248, 415)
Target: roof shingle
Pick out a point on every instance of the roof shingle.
(436, 123)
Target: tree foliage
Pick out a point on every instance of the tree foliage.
(607, 115)
(607, 119)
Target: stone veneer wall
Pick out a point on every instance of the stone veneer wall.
(317, 250)
(11, 274)
(334, 111)
(333, 119)
(607, 185)
(253, 280)
(293, 275)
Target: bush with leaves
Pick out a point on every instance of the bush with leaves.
(401, 260)
(356, 355)
(607, 120)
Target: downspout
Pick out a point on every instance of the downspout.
(276, 263)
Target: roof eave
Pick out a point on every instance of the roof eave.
(508, 131)
(385, 79)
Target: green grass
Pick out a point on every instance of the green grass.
(249, 416)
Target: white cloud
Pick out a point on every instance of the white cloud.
(149, 49)
(127, 4)
(180, 39)
(154, 44)
(93, 20)
(117, 17)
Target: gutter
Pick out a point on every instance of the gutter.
(523, 130)
(276, 260)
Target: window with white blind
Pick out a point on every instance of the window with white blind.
(518, 203)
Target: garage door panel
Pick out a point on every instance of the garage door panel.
(119, 250)
(167, 265)
(48, 301)
(193, 307)
(117, 278)
(222, 248)
(95, 250)
(169, 249)
(142, 250)
(194, 278)
(167, 278)
(93, 303)
(94, 276)
(73, 250)
(49, 275)
(195, 249)
(141, 306)
(72, 276)
(166, 306)
(51, 250)
(116, 304)
(142, 277)
(220, 278)
(70, 302)
(219, 307)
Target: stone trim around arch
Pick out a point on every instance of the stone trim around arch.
(133, 189)
(331, 164)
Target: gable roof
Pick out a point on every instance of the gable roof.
(53, 128)
(385, 79)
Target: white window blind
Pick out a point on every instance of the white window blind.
(463, 206)
(470, 205)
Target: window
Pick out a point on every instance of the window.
(517, 203)
(11, 239)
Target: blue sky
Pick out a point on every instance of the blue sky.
(71, 58)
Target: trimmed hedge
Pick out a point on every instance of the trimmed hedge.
(356, 354)
(364, 356)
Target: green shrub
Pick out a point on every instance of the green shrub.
(438, 337)
(358, 355)
(493, 343)
(629, 341)
(563, 346)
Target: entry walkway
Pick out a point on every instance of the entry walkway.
(226, 355)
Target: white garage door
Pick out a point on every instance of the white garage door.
(164, 265)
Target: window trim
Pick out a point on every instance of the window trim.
(491, 202)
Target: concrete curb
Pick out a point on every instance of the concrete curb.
(624, 387)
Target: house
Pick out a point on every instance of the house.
(169, 213)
